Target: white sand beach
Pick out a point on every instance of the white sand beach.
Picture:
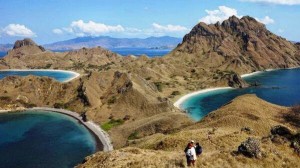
(187, 96)
(75, 74)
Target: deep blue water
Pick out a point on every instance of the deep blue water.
(140, 51)
(280, 87)
(58, 75)
(2, 54)
(43, 140)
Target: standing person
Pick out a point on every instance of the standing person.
(190, 154)
(198, 149)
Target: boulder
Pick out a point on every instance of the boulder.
(281, 131)
(250, 148)
(296, 143)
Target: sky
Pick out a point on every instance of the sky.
(47, 21)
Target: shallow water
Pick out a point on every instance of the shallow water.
(60, 76)
(280, 87)
(43, 140)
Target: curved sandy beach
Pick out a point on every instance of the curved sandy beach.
(100, 135)
(75, 74)
(187, 96)
(90, 125)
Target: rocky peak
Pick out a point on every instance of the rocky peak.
(26, 42)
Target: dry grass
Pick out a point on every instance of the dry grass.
(220, 135)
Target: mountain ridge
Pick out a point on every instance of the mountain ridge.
(140, 91)
(241, 45)
(162, 42)
(111, 42)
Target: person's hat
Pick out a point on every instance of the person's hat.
(192, 141)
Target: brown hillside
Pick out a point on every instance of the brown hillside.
(220, 133)
(241, 45)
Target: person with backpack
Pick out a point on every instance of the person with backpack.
(198, 149)
(190, 154)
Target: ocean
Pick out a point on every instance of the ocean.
(281, 87)
(127, 51)
(141, 51)
(43, 139)
(60, 76)
(2, 54)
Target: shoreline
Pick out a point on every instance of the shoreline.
(75, 74)
(178, 102)
(187, 96)
(100, 135)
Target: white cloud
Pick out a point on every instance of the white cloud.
(279, 2)
(18, 30)
(266, 20)
(57, 31)
(169, 28)
(224, 12)
(91, 28)
(219, 15)
(81, 28)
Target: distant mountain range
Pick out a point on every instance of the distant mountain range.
(5, 47)
(110, 42)
(164, 42)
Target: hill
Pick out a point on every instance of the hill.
(220, 134)
(241, 45)
(132, 97)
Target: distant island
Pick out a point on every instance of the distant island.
(164, 42)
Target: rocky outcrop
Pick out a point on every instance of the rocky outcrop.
(26, 42)
(241, 45)
(250, 148)
(235, 81)
(281, 131)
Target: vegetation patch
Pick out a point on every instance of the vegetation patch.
(134, 135)
(175, 93)
(112, 100)
(159, 86)
(112, 123)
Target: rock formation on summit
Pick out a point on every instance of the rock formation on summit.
(241, 45)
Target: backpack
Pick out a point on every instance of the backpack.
(186, 149)
(198, 150)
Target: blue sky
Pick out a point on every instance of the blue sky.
(55, 20)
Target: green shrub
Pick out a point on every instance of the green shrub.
(112, 100)
(159, 86)
(133, 136)
(112, 123)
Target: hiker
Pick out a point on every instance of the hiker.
(190, 154)
(198, 149)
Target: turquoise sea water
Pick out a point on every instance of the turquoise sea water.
(140, 51)
(280, 87)
(60, 76)
(43, 140)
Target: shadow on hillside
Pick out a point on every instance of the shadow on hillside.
(293, 117)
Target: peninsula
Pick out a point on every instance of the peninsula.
(132, 97)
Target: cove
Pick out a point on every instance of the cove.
(59, 75)
(281, 87)
(43, 139)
